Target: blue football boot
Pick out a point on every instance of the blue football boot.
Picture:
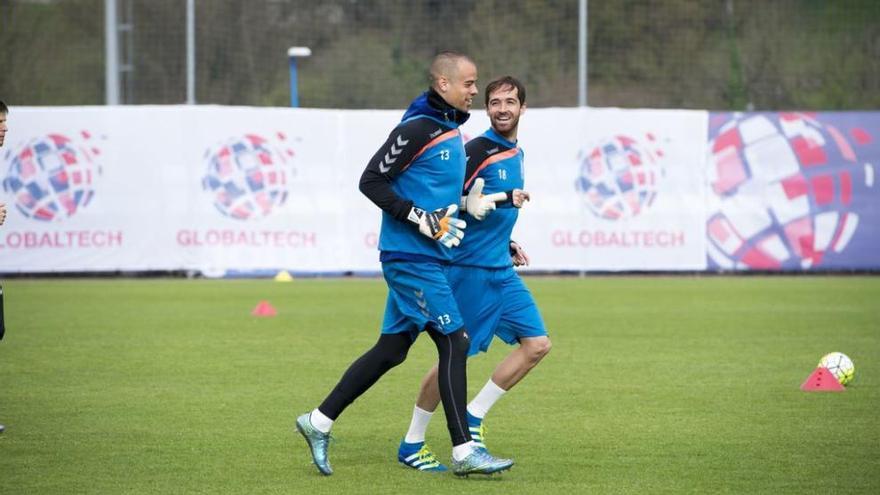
(419, 456)
(317, 443)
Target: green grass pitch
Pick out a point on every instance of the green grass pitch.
(654, 385)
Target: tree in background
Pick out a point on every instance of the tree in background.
(718, 55)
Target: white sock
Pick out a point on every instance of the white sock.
(484, 400)
(418, 425)
(459, 452)
(320, 421)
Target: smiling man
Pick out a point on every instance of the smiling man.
(416, 179)
(492, 297)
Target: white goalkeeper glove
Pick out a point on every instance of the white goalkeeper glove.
(479, 205)
(439, 224)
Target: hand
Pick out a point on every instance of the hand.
(479, 205)
(439, 224)
(518, 255)
(2, 213)
(520, 197)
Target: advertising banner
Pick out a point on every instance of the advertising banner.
(216, 189)
(614, 189)
(793, 191)
(201, 188)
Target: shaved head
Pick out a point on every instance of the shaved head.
(454, 78)
(446, 66)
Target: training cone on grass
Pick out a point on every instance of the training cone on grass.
(264, 309)
(284, 276)
(821, 380)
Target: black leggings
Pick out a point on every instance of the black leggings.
(391, 350)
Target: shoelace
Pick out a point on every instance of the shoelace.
(483, 457)
(329, 439)
(426, 455)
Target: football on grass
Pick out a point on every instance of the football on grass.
(840, 365)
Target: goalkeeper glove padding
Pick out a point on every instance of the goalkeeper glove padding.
(479, 205)
(439, 224)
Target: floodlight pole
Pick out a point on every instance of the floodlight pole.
(582, 53)
(111, 54)
(292, 54)
(190, 52)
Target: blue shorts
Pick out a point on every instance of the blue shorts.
(495, 302)
(419, 295)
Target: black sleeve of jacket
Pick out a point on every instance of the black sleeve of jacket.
(478, 151)
(391, 160)
(476, 154)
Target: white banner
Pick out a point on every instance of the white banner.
(614, 189)
(219, 188)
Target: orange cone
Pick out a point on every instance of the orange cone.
(821, 380)
(264, 309)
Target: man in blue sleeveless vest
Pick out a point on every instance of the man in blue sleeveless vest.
(491, 297)
(416, 179)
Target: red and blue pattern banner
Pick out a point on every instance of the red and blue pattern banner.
(226, 189)
(793, 191)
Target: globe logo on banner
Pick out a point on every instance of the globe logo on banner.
(247, 176)
(619, 177)
(52, 177)
(781, 190)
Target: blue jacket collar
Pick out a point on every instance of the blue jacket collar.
(431, 104)
(498, 138)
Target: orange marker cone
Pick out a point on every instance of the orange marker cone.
(821, 380)
(264, 309)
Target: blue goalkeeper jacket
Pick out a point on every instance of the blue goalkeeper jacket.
(422, 163)
(500, 163)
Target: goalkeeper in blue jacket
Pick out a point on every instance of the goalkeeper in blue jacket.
(491, 296)
(416, 179)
